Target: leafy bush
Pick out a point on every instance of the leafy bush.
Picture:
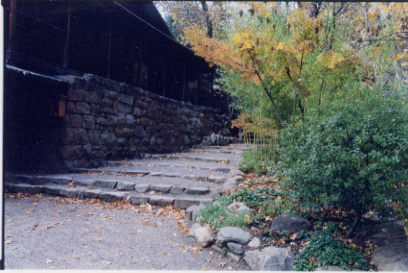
(324, 249)
(355, 158)
(275, 207)
(250, 197)
(217, 215)
(248, 162)
(253, 162)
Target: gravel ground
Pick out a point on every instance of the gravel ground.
(44, 233)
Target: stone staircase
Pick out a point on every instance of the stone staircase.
(193, 177)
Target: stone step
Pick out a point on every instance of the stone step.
(133, 171)
(180, 179)
(238, 147)
(210, 151)
(207, 166)
(197, 157)
(109, 184)
(109, 181)
(107, 195)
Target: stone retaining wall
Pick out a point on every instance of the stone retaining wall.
(110, 120)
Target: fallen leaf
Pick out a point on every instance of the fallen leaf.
(34, 226)
(8, 242)
(293, 236)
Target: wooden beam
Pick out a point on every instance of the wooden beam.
(109, 48)
(67, 36)
(12, 24)
(184, 80)
(164, 77)
(2, 195)
(198, 92)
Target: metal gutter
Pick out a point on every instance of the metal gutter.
(31, 73)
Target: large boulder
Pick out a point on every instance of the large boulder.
(290, 223)
(390, 234)
(270, 259)
(392, 257)
(204, 236)
(232, 234)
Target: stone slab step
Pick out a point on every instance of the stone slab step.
(146, 163)
(162, 201)
(182, 202)
(196, 157)
(105, 181)
(184, 173)
(107, 184)
(240, 147)
(216, 168)
(210, 151)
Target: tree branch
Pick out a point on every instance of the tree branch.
(268, 92)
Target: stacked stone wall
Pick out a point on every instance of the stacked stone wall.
(109, 120)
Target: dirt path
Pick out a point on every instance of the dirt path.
(43, 233)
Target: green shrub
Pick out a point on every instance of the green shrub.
(253, 162)
(275, 207)
(217, 215)
(250, 197)
(354, 158)
(248, 162)
(324, 249)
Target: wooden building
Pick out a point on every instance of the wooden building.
(125, 41)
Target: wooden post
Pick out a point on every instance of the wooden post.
(67, 35)
(184, 80)
(2, 233)
(12, 24)
(141, 59)
(198, 89)
(109, 48)
(164, 77)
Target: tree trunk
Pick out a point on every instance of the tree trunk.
(355, 224)
(315, 9)
(207, 19)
